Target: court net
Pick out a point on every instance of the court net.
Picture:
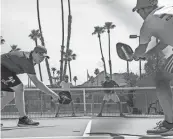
(134, 101)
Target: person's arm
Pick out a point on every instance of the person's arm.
(144, 39)
(140, 51)
(159, 47)
(115, 84)
(42, 87)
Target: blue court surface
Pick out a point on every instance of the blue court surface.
(83, 128)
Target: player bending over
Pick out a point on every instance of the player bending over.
(19, 62)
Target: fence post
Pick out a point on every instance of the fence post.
(146, 102)
(92, 104)
(41, 104)
(84, 101)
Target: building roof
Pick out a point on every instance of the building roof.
(97, 81)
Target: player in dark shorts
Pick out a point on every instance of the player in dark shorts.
(19, 62)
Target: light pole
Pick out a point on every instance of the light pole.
(140, 69)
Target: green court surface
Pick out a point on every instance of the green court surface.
(83, 128)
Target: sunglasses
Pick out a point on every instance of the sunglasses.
(41, 54)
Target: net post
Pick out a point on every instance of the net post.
(84, 101)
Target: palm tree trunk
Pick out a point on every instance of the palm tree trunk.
(62, 45)
(104, 64)
(39, 66)
(43, 44)
(68, 36)
(110, 64)
(69, 70)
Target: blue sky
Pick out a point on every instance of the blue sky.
(19, 17)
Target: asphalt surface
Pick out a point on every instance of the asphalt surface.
(82, 128)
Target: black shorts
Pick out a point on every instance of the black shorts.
(8, 79)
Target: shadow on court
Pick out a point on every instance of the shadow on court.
(29, 127)
(155, 137)
(121, 136)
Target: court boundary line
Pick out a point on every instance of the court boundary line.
(57, 137)
(87, 129)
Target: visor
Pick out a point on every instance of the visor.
(134, 9)
(45, 55)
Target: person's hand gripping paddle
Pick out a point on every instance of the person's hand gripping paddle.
(125, 52)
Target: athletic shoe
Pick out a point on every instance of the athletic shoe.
(25, 121)
(56, 115)
(73, 114)
(122, 115)
(162, 127)
(168, 133)
(99, 115)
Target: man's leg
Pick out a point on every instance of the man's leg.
(116, 99)
(164, 94)
(120, 108)
(19, 99)
(7, 98)
(72, 106)
(105, 99)
(57, 109)
(102, 106)
(20, 104)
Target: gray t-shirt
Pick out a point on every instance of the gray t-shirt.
(18, 62)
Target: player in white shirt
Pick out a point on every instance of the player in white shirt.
(65, 85)
(158, 23)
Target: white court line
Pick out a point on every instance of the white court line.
(56, 137)
(87, 129)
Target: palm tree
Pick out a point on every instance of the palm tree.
(53, 70)
(75, 79)
(68, 36)
(69, 56)
(35, 34)
(96, 72)
(2, 40)
(14, 48)
(108, 26)
(58, 77)
(99, 30)
(42, 42)
(62, 45)
(91, 79)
